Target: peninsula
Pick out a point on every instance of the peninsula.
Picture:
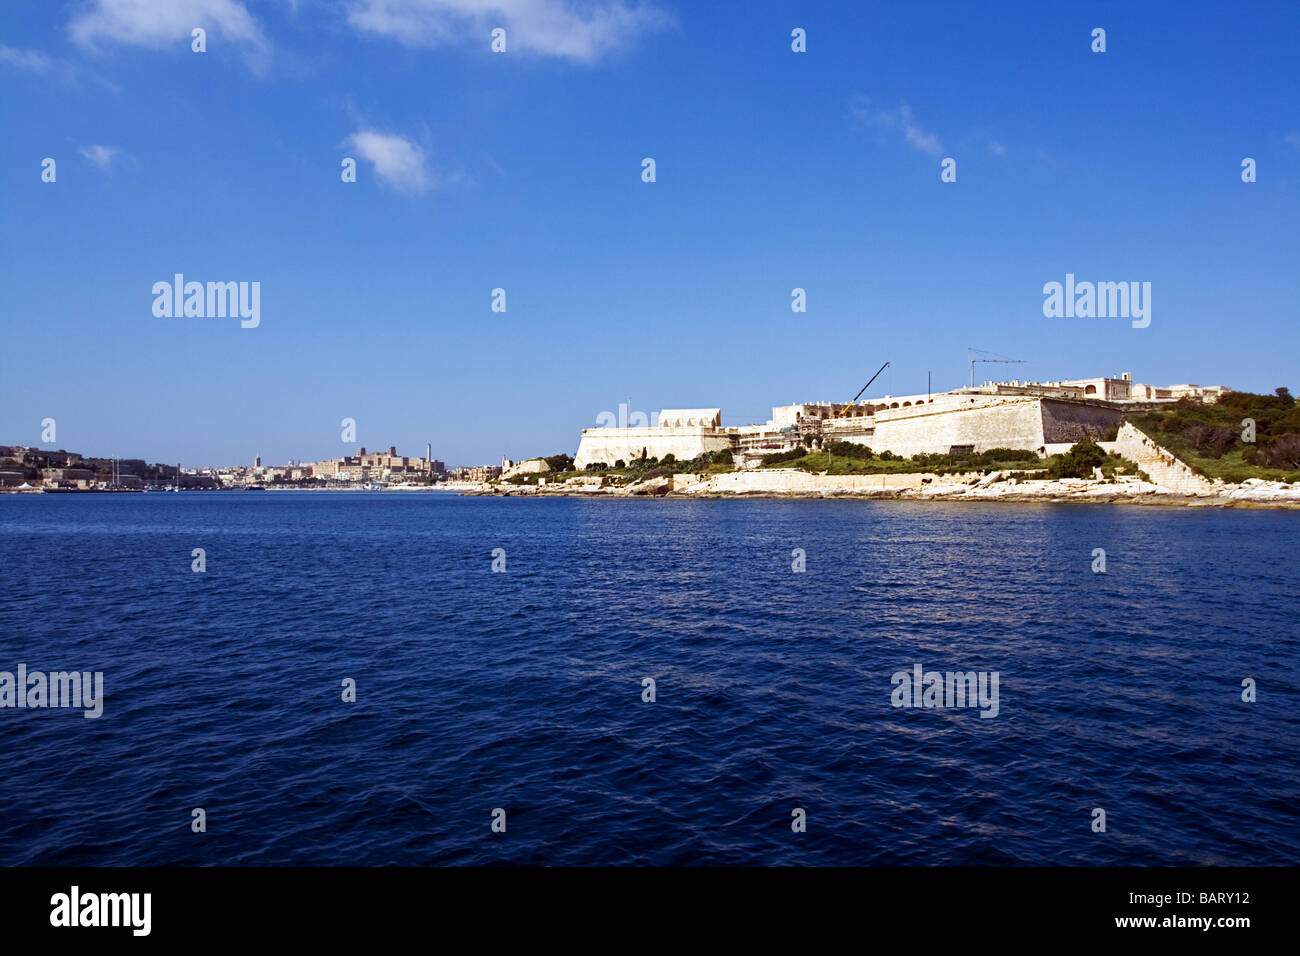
(1101, 439)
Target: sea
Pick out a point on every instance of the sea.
(431, 679)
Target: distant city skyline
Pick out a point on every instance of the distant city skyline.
(254, 461)
(522, 171)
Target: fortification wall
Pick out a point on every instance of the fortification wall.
(1012, 423)
(1073, 422)
(792, 480)
(611, 444)
(1164, 467)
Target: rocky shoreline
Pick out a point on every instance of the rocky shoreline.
(995, 486)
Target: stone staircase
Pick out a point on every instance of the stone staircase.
(1165, 468)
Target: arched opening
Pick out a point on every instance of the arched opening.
(1090, 390)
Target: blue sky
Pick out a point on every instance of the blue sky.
(522, 170)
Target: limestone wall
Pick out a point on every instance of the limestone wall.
(783, 480)
(533, 466)
(611, 444)
(1007, 423)
(1071, 422)
(979, 421)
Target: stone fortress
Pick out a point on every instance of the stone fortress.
(1045, 417)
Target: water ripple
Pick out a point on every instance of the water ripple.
(523, 690)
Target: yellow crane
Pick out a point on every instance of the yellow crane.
(844, 410)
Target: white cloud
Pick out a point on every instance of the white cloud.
(396, 160)
(161, 24)
(1292, 140)
(101, 156)
(901, 120)
(997, 149)
(33, 60)
(562, 28)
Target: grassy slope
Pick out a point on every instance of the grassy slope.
(1231, 466)
(1209, 437)
(839, 465)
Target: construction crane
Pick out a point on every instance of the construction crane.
(844, 410)
(970, 352)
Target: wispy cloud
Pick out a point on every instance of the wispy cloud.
(33, 60)
(1292, 139)
(42, 65)
(996, 148)
(900, 120)
(101, 156)
(576, 31)
(395, 159)
(168, 24)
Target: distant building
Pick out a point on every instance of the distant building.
(374, 466)
(475, 473)
(684, 433)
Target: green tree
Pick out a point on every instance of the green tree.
(1078, 462)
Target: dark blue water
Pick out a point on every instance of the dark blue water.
(522, 690)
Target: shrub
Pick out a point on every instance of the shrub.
(620, 463)
(793, 454)
(848, 449)
(1078, 462)
(723, 457)
(668, 459)
(559, 462)
(1209, 440)
(1010, 454)
(1244, 402)
(1283, 453)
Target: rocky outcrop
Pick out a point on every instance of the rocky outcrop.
(995, 486)
(533, 466)
(783, 481)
